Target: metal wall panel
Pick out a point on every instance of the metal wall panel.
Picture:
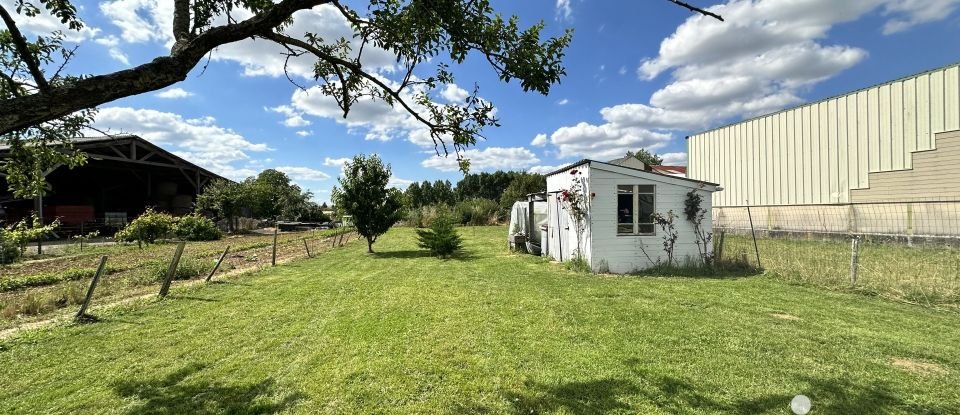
(909, 121)
(896, 126)
(817, 153)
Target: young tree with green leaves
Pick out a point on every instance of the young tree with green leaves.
(41, 104)
(647, 157)
(363, 194)
(223, 199)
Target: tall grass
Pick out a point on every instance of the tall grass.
(926, 274)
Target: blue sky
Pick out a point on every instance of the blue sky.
(639, 74)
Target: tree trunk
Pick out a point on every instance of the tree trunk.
(369, 245)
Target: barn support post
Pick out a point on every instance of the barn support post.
(82, 314)
(219, 261)
(172, 270)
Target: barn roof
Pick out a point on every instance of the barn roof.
(124, 148)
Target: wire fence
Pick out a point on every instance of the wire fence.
(906, 251)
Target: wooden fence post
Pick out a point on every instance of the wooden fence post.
(307, 248)
(172, 270)
(854, 260)
(273, 260)
(82, 314)
(219, 261)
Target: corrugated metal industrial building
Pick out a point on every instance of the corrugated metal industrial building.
(878, 160)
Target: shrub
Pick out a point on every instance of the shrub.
(187, 268)
(148, 227)
(579, 265)
(14, 238)
(441, 239)
(476, 212)
(196, 228)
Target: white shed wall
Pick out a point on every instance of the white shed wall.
(562, 236)
(625, 253)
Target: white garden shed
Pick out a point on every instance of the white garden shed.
(614, 203)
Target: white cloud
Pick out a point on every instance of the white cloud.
(563, 101)
(45, 24)
(294, 118)
(605, 141)
(112, 43)
(303, 174)
(674, 159)
(758, 61)
(399, 183)
(199, 140)
(454, 94)
(564, 10)
(488, 159)
(909, 13)
(264, 58)
(540, 140)
(304, 133)
(376, 120)
(543, 169)
(141, 21)
(331, 162)
(174, 93)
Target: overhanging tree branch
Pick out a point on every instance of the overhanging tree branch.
(22, 112)
(20, 43)
(696, 9)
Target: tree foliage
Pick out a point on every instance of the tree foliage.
(441, 239)
(223, 200)
(363, 194)
(647, 157)
(274, 196)
(41, 104)
(521, 186)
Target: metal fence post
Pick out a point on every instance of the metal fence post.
(754, 234)
(82, 314)
(854, 259)
(172, 270)
(307, 248)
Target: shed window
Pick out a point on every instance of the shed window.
(635, 208)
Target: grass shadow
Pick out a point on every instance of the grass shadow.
(596, 396)
(176, 394)
(222, 282)
(828, 395)
(462, 255)
(193, 298)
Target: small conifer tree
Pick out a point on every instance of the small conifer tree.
(441, 239)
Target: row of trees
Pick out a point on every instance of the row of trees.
(501, 187)
(269, 195)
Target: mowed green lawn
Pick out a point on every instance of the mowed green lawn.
(491, 332)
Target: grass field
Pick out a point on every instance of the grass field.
(36, 290)
(926, 274)
(489, 332)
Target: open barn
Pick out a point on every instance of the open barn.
(123, 176)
